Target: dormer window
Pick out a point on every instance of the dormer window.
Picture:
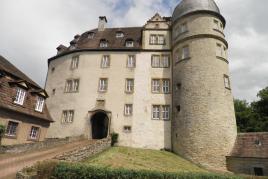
(91, 35)
(40, 104)
(20, 96)
(129, 43)
(103, 43)
(119, 34)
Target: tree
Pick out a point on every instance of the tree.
(253, 117)
(2, 132)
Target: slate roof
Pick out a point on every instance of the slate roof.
(11, 77)
(6, 66)
(83, 42)
(251, 145)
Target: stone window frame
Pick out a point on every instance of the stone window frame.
(227, 84)
(218, 26)
(160, 86)
(103, 87)
(161, 59)
(128, 110)
(127, 129)
(72, 85)
(74, 62)
(129, 89)
(67, 116)
(133, 64)
(105, 61)
(161, 112)
(154, 39)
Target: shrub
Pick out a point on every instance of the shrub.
(45, 169)
(2, 132)
(81, 171)
(114, 138)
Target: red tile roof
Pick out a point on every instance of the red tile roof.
(251, 145)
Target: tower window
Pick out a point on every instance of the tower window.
(185, 53)
(183, 28)
(52, 69)
(178, 107)
(53, 91)
(72, 86)
(227, 82)
(105, 62)
(74, 62)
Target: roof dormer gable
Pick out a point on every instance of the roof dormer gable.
(157, 22)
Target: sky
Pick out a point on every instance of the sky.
(30, 31)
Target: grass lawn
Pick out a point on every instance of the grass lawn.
(142, 159)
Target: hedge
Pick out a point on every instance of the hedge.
(82, 171)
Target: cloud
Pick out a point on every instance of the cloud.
(31, 30)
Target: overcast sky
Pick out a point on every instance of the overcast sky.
(31, 30)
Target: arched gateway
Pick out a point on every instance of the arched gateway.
(99, 125)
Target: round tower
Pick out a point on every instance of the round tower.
(203, 126)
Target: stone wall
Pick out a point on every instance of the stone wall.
(85, 152)
(247, 165)
(48, 143)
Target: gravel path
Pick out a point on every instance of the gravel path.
(11, 163)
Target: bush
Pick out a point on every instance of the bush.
(45, 168)
(114, 138)
(81, 171)
(2, 132)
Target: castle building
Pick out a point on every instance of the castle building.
(164, 85)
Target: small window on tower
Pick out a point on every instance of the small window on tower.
(127, 129)
(227, 82)
(185, 53)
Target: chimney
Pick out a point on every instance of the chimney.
(102, 23)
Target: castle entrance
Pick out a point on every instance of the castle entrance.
(99, 125)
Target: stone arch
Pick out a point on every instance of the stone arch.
(99, 125)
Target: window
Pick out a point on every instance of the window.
(72, 86)
(156, 112)
(160, 61)
(75, 62)
(129, 85)
(258, 171)
(39, 104)
(103, 84)
(185, 52)
(221, 51)
(20, 95)
(53, 91)
(129, 43)
(165, 87)
(155, 61)
(165, 61)
(52, 70)
(161, 86)
(227, 82)
(68, 116)
(127, 129)
(217, 25)
(128, 109)
(155, 86)
(91, 35)
(165, 112)
(183, 28)
(157, 39)
(131, 61)
(34, 133)
(103, 43)
(12, 129)
(105, 62)
(161, 112)
(119, 34)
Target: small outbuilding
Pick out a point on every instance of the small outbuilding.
(250, 154)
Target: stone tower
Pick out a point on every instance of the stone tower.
(203, 126)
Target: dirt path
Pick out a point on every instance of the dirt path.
(10, 164)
